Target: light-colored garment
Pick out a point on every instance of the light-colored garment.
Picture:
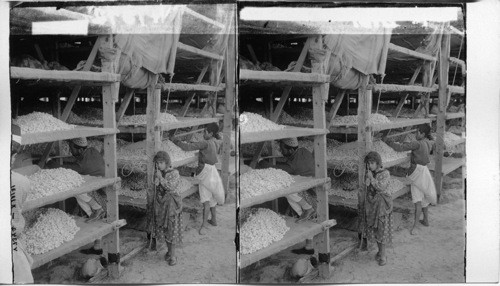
(422, 186)
(83, 201)
(211, 188)
(22, 266)
(20, 185)
(293, 200)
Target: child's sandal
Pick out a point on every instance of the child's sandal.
(172, 261)
(167, 256)
(382, 261)
(377, 256)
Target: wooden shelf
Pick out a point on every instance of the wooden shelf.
(402, 50)
(183, 123)
(203, 18)
(402, 88)
(284, 78)
(298, 233)
(392, 163)
(395, 123)
(123, 163)
(142, 203)
(300, 184)
(88, 233)
(78, 131)
(455, 115)
(287, 132)
(449, 164)
(90, 184)
(332, 164)
(457, 62)
(197, 52)
(400, 123)
(191, 87)
(353, 203)
(456, 89)
(187, 122)
(66, 77)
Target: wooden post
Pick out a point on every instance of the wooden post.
(129, 95)
(110, 97)
(229, 114)
(441, 117)
(320, 95)
(336, 104)
(364, 131)
(152, 132)
(283, 99)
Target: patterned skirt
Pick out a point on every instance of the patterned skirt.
(383, 232)
(173, 229)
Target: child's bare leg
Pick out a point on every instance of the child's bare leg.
(418, 210)
(425, 221)
(381, 252)
(206, 210)
(213, 220)
(170, 256)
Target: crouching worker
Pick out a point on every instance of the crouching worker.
(87, 161)
(211, 188)
(164, 212)
(375, 207)
(298, 162)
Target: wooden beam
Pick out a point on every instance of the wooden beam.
(441, 117)
(401, 88)
(204, 18)
(320, 96)
(364, 132)
(185, 108)
(402, 100)
(199, 52)
(295, 77)
(191, 87)
(283, 99)
(109, 98)
(252, 54)
(229, 114)
(129, 95)
(336, 104)
(39, 53)
(64, 77)
(411, 53)
(74, 94)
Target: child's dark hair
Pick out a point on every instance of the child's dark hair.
(373, 157)
(426, 130)
(162, 156)
(214, 129)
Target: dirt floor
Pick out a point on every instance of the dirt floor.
(201, 259)
(435, 255)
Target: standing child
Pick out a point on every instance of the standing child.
(165, 209)
(423, 190)
(375, 207)
(211, 188)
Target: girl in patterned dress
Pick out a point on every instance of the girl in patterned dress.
(165, 207)
(376, 206)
